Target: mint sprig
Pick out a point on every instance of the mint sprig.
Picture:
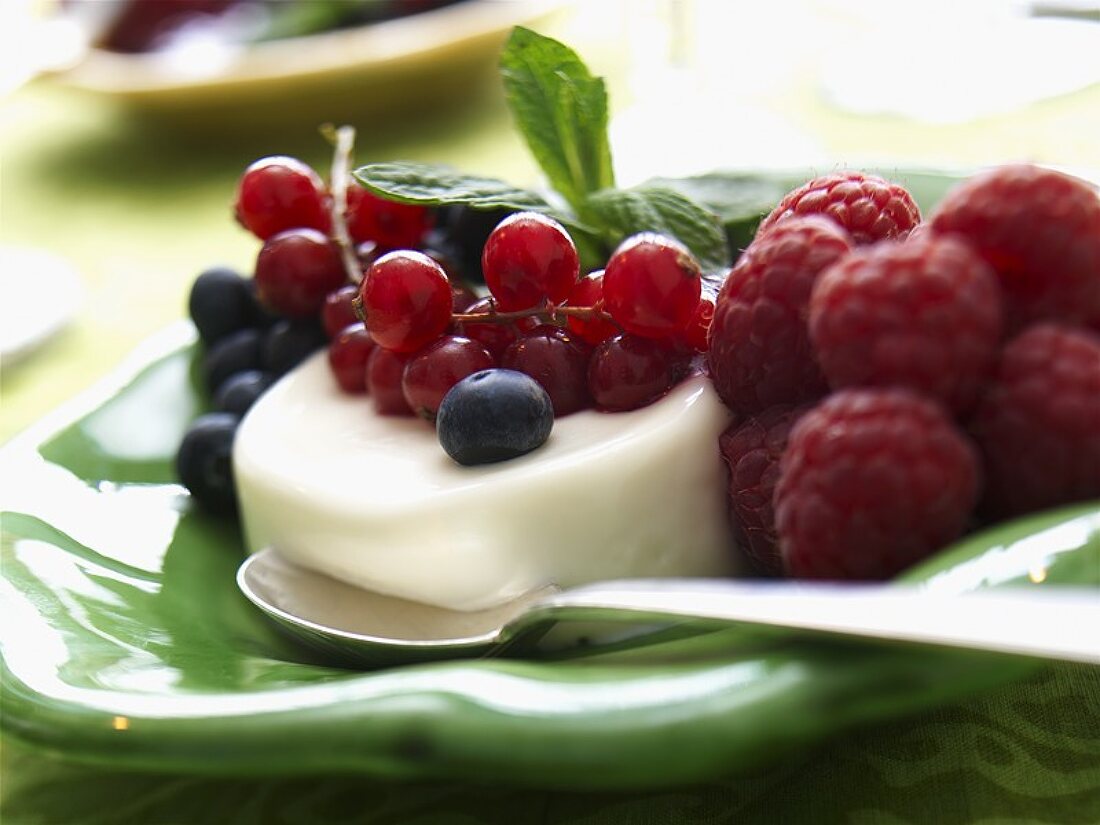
(561, 110)
(619, 212)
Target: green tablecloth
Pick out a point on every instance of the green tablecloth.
(140, 211)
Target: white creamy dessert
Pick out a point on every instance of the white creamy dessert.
(374, 501)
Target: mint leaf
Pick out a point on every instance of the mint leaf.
(561, 111)
(739, 199)
(648, 208)
(431, 185)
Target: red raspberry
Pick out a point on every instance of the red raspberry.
(869, 208)
(1041, 231)
(760, 352)
(871, 482)
(752, 450)
(923, 314)
(1039, 424)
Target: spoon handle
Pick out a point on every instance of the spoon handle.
(1053, 623)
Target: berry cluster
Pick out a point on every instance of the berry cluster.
(616, 339)
(256, 329)
(388, 287)
(897, 381)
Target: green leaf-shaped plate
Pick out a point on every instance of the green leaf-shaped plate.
(126, 644)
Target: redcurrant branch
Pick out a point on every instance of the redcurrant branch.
(341, 174)
(548, 313)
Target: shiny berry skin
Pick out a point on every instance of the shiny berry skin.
(406, 300)
(295, 270)
(289, 343)
(241, 390)
(588, 292)
(759, 348)
(204, 463)
(385, 369)
(430, 373)
(651, 285)
(922, 314)
(235, 353)
(462, 297)
(280, 193)
(865, 206)
(1040, 231)
(337, 313)
(347, 357)
(872, 480)
(558, 361)
(389, 224)
(1038, 425)
(627, 372)
(529, 258)
(494, 415)
(495, 337)
(220, 303)
(698, 328)
(752, 450)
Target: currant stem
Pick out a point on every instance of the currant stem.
(549, 313)
(341, 173)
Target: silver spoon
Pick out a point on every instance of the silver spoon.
(361, 626)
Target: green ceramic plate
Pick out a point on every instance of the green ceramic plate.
(126, 644)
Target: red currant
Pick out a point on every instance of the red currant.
(347, 356)
(384, 371)
(495, 337)
(406, 300)
(698, 328)
(588, 292)
(558, 361)
(337, 312)
(437, 368)
(389, 224)
(462, 298)
(279, 193)
(627, 372)
(295, 270)
(529, 258)
(651, 286)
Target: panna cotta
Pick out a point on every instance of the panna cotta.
(374, 500)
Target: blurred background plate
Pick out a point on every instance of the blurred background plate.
(389, 66)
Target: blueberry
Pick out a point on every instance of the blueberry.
(204, 462)
(288, 343)
(238, 352)
(221, 303)
(239, 392)
(494, 415)
(466, 231)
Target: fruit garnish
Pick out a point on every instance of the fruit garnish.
(494, 415)
(867, 207)
(870, 482)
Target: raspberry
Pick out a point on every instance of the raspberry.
(760, 352)
(871, 482)
(751, 450)
(1041, 231)
(1039, 424)
(923, 314)
(869, 208)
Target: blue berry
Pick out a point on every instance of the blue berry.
(237, 352)
(239, 392)
(493, 415)
(221, 303)
(204, 462)
(288, 343)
